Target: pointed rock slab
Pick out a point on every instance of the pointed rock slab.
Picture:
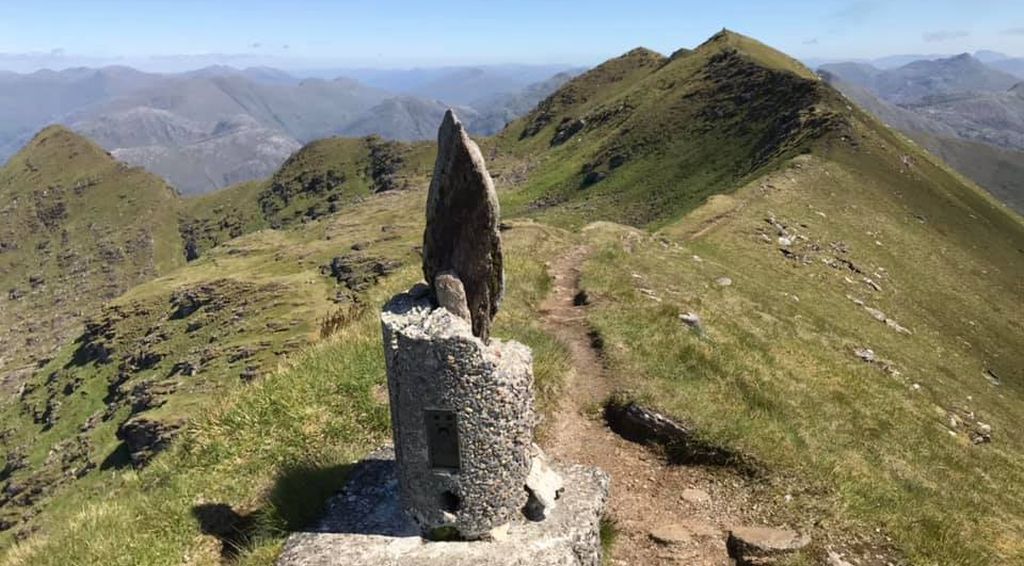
(462, 224)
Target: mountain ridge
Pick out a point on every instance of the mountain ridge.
(818, 251)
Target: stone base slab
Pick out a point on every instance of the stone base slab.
(365, 525)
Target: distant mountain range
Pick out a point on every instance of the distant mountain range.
(994, 59)
(217, 126)
(962, 108)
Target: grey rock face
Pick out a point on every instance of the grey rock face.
(462, 415)
(462, 224)
(544, 485)
(452, 295)
(365, 525)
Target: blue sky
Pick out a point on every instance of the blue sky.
(169, 35)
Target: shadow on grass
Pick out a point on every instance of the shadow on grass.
(232, 529)
(296, 501)
(118, 459)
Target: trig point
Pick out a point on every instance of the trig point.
(467, 484)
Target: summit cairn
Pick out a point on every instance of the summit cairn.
(466, 484)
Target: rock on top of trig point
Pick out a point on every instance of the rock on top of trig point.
(461, 237)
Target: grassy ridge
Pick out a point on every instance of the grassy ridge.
(324, 177)
(723, 151)
(776, 376)
(642, 139)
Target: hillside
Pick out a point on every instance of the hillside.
(757, 258)
(77, 228)
(642, 139)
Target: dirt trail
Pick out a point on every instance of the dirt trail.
(646, 492)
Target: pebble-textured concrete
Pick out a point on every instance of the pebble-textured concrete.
(365, 525)
(434, 362)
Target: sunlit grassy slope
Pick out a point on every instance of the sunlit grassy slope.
(696, 165)
(643, 138)
(77, 228)
(258, 461)
(775, 374)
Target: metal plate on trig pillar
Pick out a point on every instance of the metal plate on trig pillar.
(442, 439)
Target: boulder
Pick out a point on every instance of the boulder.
(683, 532)
(693, 321)
(695, 496)
(144, 438)
(462, 233)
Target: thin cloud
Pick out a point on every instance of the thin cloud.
(811, 41)
(856, 12)
(1014, 31)
(944, 35)
(256, 45)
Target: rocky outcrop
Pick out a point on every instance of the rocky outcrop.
(145, 438)
(462, 224)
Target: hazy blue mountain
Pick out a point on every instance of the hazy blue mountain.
(921, 80)
(454, 85)
(979, 134)
(217, 125)
(1014, 66)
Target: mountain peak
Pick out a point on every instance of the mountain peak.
(755, 50)
(641, 55)
(56, 138)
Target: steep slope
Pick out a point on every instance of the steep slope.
(77, 228)
(643, 138)
(322, 178)
(1000, 171)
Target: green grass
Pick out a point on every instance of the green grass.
(609, 533)
(77, 228)
(712, 142)
(271, 452)
(775, 378)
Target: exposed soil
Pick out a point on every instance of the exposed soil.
(646, 491)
